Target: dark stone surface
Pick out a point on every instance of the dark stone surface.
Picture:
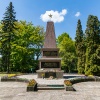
(50, 39)
(49, 74)
(69, 88)
(50, 64)
(32, 88)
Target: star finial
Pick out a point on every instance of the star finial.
(50, 16)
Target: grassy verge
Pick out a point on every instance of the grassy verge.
(5, 73)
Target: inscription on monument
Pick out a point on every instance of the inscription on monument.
(50, 53)
(49, 64)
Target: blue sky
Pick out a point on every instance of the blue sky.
(65, 12)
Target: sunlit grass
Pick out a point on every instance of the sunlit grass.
(10, 75)
(3, 74)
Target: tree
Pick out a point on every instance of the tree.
(92, 65)
(67, 52)
(80, 48)
(7, 35)
(26, 46)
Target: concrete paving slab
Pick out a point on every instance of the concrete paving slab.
(17, 91)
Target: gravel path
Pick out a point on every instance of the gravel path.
(17, 91)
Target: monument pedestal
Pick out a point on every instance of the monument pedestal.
(50, 73)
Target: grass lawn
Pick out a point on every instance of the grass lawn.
(2, 75)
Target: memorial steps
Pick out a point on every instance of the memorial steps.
(50, 87)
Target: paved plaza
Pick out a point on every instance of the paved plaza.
(49, 81)
(17, 91)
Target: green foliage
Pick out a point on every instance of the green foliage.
(67, 52)
(92, 65)
(20, 43)
(26, 47)
(80, 48)
(7, 35)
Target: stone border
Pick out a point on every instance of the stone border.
(13, 79)
(16, 79)
(85, 79)
(68, 85)
(81, 79)
(32, 88)
(69, 88)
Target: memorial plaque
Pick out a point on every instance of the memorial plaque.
(49, 53)
(49, 64)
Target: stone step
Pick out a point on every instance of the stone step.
(50, 88)
(50, 85)
(41, 85)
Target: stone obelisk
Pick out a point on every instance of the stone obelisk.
(50, 39)
(50, 63)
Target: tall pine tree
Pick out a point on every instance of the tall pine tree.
(80, 48)
(92, 65)
(8, 27)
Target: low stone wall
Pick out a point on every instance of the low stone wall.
(14, 79)
(32, 88)
(69, 88)
(85, 79)
(81, 79)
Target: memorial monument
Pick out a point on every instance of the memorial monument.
(50, 63)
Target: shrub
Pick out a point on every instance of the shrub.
(67, 83)
(90, 76)
(32, 83)
(11, 75)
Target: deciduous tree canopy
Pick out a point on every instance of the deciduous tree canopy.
(67, 52)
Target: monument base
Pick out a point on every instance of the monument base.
(50, 73)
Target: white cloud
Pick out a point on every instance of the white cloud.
(77, 14)
(56, 16)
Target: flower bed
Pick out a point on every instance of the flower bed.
(8, 78)
(32, 85)
(85, 79)
(68, 85)
(12, 77)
